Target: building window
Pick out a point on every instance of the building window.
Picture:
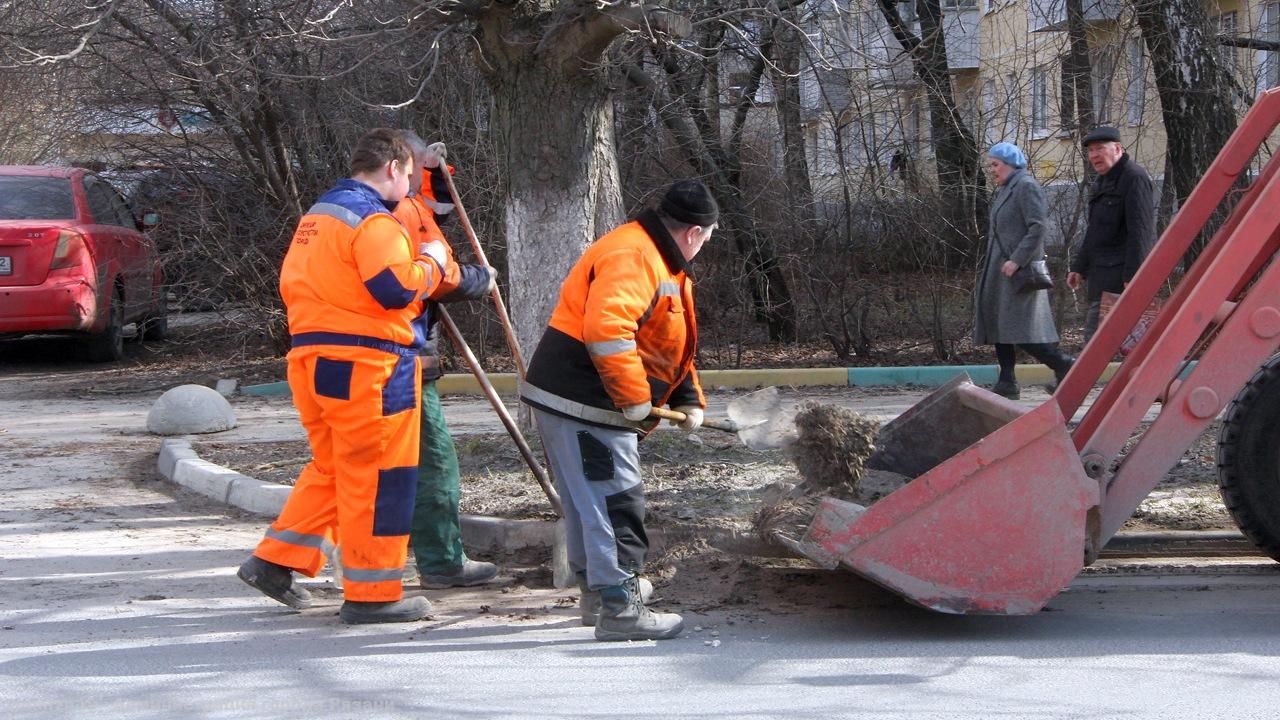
(1104, 69)
(959, 4)
(1270, 60)
(1012, 107)
(1039, 99)
(1067, 91)
(989, 112)
(1136, 96)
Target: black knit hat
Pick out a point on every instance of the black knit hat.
(689, 201)
(1102, 133)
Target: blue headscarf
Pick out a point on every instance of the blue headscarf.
(1009, 154)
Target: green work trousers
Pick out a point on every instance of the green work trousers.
(436, 535)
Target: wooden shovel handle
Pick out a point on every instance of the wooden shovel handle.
(679, 417)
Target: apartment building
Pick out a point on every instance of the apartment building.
(867, 121)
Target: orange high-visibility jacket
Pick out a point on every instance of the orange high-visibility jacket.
(461, 281)
(352, 276)
(623, 333)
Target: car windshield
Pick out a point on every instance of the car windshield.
(35, 198)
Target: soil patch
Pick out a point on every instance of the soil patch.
(700, 484)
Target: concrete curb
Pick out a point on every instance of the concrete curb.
(180, 464)
(923, 375)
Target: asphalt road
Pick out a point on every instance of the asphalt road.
(117, 599)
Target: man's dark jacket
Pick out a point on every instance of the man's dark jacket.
(1121, 228)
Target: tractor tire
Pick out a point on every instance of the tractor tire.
(108, 345)
(1249, 459)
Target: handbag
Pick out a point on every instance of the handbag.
(1031, 277)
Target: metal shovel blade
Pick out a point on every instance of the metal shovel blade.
(761, 422)
(775, 433)
(755, 407)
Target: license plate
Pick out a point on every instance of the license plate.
(6, 265)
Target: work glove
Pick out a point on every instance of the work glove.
(493, 278)
(436, 154)
(636, 413)
(434, 250)
(692, 417)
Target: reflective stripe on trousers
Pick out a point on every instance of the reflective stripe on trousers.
(360, 408)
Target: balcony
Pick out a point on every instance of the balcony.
(1051, 15)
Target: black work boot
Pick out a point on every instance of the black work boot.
(1007, 388)
(589, 600)
(623, 616)
(470, 572)
(274, 581)
(1060, 372)
(410, 609)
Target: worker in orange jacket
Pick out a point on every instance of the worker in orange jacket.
(353, 285)
(436, 532)
(621, 340)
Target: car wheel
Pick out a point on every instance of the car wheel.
(108, 345)
(155, 326)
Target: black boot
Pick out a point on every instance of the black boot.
(274, 581)
(409, 609)
(1007, 384)
(1007, 388)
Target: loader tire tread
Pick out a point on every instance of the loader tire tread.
(1249, 459)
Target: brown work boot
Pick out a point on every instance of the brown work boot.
(410, 609)
(274, 581)
(589, 600)
(623, 616)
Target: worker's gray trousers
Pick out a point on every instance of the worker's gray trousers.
(597, 473)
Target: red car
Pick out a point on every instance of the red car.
(73, 260)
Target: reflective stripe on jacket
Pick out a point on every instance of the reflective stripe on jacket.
(351, 269)
(624, 331)
(461, 281)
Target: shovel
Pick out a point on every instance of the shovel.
(756, 418)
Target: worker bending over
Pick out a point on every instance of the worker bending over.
(622, 340)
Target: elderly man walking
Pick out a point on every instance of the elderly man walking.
(1121, 229)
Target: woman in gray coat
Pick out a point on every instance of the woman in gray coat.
(1003, 317)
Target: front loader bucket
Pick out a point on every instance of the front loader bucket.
(999, 528)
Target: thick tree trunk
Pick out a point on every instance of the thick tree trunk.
(554, 133)
(1195, 94)
(1077, 72)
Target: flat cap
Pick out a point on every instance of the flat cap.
(1102, 133)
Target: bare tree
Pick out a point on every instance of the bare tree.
(957, 152)
(1195, 92)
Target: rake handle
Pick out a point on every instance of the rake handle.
(501, 410)
(501, 307)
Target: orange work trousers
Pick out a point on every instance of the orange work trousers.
(361, 409)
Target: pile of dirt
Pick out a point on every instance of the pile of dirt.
(831, 452)
(833, 446)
